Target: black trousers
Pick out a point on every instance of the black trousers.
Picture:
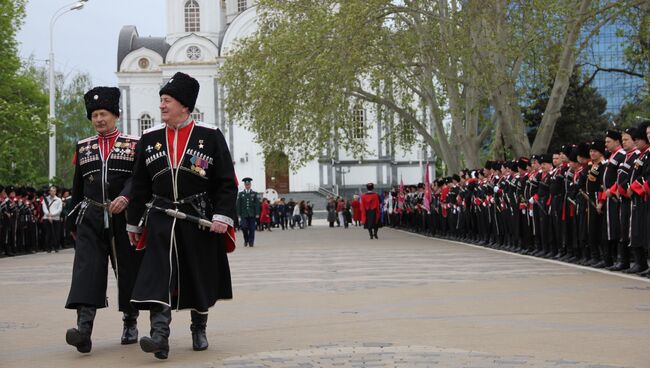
(52, 234)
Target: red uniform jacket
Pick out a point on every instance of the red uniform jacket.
(356, 210)
(369, 201)
(265, 216)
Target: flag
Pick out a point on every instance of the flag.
(427, 189)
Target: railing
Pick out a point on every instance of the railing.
(327, 192)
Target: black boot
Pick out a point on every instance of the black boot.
(158, 343)
(130, 330)
(640, 261)
(80, 337)
(199, 340)
(623, 260)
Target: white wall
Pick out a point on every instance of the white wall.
(306, 178)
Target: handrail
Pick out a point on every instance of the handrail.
(327, 192)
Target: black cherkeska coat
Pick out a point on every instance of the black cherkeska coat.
(97, 181)
(184, 267)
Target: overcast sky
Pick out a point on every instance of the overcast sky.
(86, 40)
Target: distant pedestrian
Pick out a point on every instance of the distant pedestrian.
(265, 215)
(340, 209)
(356, 210)
(370, 210)
(309, 210)
(248, 209)
(52, 208)
(331, 211)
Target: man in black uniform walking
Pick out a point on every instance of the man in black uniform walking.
(185, 166)
(101, 192)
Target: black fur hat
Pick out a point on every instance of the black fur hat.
(523, 163)
(632, 132)
(545, 158)
(566, 149)
(573, 156)
(613, 134)
(107, 98)
(583, 150)
(642, 128)
(183, 88)
(598, 145)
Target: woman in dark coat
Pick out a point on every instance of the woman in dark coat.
(331, 212)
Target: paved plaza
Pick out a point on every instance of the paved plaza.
(326, 297)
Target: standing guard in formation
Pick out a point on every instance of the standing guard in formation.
(9, 214)
(248, 210)
(181, 166)
(584, 203)
(638, 191)
(101, 192)
(610, 199)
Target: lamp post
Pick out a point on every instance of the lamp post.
(77, 5)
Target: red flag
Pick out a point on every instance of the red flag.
(400, 198)
(427, 190)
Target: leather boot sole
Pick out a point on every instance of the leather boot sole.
(78, 340)
(199, 348)
(149, 346)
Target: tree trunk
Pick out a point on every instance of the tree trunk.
(561, 85)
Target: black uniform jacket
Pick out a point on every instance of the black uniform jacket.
(184, 266)
(100, 236)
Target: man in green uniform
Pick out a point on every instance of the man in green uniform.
(248, 209)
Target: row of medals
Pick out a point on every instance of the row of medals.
(118, 147)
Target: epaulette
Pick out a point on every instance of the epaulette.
(204, 125)
(131, 137)
(87, 139)
(154, 128)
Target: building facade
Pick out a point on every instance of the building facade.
(200, 34)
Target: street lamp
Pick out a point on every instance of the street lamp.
(77, 5)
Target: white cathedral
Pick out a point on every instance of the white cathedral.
(200, 33)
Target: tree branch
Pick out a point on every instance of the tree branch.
(609, 70)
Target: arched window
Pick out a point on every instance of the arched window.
(197, 115)
(241, 5)
(358, 123)
(145, 122)
(192, 16)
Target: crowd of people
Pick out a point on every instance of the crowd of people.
(343, 212)
(283, 214)
(586, 203)
(34, 220)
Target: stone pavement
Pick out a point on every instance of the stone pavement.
(326, 297)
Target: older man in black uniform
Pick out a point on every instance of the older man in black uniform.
(184, 166)
(101, 192)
